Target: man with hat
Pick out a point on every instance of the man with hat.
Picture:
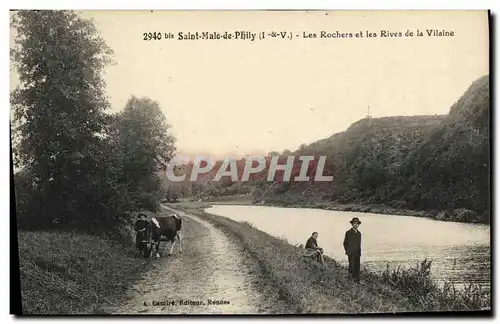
(140, 227)
(352, 247)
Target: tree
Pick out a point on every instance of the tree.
(141, 132)
(59, 110)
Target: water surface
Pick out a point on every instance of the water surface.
(458, 251)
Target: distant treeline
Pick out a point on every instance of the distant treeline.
(80, 167)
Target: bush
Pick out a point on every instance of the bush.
(417, 284)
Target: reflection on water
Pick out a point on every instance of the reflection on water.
(459, 252)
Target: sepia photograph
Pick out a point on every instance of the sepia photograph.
(265, 162)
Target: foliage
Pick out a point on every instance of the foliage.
(450, 170)
(145, 147)
(82, 167)
(59, 110)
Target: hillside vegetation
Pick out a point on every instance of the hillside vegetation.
(436, 164)
(451, 169)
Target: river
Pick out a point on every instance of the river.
(459, 252)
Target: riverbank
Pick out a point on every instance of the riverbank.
(458, 215)
(309, 288)
(66, 273)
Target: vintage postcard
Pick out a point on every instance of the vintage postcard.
(251, 162)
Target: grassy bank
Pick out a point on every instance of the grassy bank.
(74, 273)
(310, 288)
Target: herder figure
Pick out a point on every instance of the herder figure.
(312, 246)
(140, 227)
(352, 247)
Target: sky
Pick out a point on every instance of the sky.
(237, 97)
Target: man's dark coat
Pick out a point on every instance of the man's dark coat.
(352, 242)
(352, 247)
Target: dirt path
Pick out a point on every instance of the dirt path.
(212, 276)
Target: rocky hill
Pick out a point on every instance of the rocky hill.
(438, 164)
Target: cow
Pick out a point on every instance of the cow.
(165, 229)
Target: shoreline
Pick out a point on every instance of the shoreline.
(458, 215)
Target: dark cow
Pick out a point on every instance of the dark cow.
(165, 229)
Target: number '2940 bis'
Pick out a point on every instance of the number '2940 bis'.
(157, 36)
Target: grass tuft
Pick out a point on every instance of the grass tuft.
(418, 285)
